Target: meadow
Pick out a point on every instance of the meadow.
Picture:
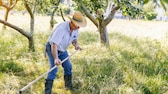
(136, 62)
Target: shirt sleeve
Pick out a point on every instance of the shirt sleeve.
(75, 35)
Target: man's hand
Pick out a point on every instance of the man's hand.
(75, 44)
(54, 50)
(77, 47)
(57, 62)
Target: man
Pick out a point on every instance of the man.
(63, 35)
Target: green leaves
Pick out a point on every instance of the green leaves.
(144, 1)
(129, 8)
(163, 3)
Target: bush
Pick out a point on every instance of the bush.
(150, 16)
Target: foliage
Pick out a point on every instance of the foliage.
(45, 6)
(149, 7)
(150, 15)
(42, 6)
(129, 8)
(19, 6)
(164, 4)
(65, 9)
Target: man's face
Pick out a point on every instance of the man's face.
(73, 26)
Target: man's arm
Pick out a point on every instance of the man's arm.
(75, 44)
(55, 53)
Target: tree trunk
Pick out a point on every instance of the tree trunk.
(103, 33)
(62, 15)
(101, 23)
(32, 26)
(31, 44)
(52, 20)
(31, 13)
(31, 39)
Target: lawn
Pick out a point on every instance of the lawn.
(136, 62)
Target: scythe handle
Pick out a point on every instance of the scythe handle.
(34, 81)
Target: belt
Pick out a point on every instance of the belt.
(50, 45)
(60, 51)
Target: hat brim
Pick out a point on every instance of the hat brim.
(80, 24)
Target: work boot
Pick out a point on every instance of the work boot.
(48, 86)
(68, 81)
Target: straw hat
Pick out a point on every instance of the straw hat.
(78, 19)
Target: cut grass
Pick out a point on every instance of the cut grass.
(132, 65)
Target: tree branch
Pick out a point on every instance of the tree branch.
(111, 15)
(62, 15)
(16, 28)
(92, 18)
(0, 2)
(28, 9)
(3, 5)
(34, 7)
(10, 6)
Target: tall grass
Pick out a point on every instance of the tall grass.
(130, 66)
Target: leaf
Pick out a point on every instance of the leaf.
(166, 1)
(145, 1)
(163, 4)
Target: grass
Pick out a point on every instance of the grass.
(134, 64)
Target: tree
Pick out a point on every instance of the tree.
(28, 35)
(8, 5)
(20, 30)
(30, 6)
(48, 7)
(55, 7)
(31, 13)
(95, 11)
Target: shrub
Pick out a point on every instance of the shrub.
(150, 16)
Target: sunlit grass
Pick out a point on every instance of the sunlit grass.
(132, 65)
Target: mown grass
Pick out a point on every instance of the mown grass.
(130, 66)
